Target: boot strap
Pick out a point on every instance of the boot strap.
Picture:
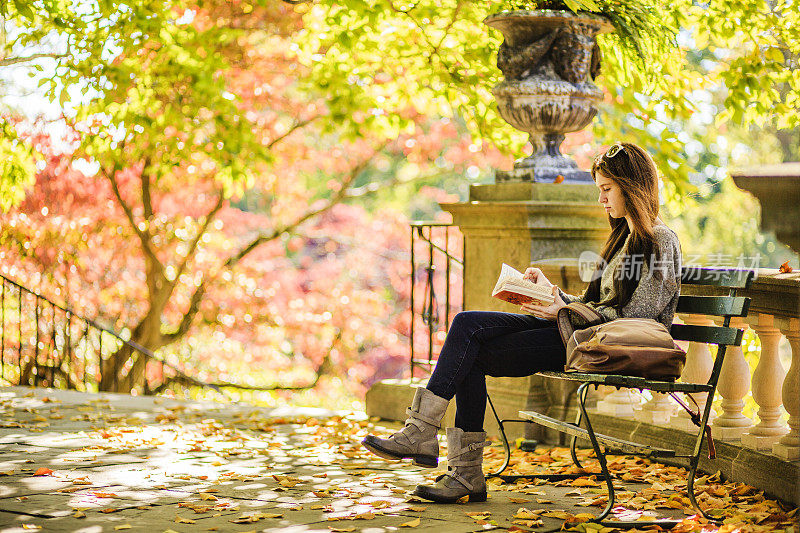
(416, 415)
(468, 448)
(458, 477)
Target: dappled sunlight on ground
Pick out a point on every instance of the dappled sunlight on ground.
(86, 462)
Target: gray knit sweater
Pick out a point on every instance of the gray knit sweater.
(655, 297)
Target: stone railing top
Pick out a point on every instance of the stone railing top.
(768, 171)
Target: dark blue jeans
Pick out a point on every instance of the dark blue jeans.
(490, 343)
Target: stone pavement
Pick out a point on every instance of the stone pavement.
(73, 461)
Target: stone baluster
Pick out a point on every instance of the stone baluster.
(766, 385)
(596, 395)
(699, 364)
(658, 410)
(734, 383)
(619, 403)
(788, 447)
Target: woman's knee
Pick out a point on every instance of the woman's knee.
(466, 320)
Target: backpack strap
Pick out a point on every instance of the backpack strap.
(695, 416)
(564, 321)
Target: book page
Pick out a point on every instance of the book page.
(513, 280)
(506, 272)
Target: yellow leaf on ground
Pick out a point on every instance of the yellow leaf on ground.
(123, 526)
(341, 529)
(31, 526)
(411, 523)
(519, 500)
(585, 482)
(527, 514)
(528, 523)
(181, 520)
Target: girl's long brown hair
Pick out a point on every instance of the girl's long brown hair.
(633, 170)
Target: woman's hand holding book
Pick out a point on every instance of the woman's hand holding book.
(547, 312)
(537, 276)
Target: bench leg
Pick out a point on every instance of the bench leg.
(573, 442)
(694, 461)
(601, 456)
(504, 437)
(507, 450)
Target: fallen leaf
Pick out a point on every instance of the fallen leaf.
(181, 520)
(519, 500)
(123, 526)
(31, 526)
(785, 268)
(43, 472)
(528, 514)
(380, 504)
(585, 482)
(411, 523)
(528, 523)
(341, 529)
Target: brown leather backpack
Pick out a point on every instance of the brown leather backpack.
(640, 347)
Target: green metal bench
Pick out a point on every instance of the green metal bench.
(723, 336)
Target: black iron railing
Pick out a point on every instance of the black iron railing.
(440, 241)
(44, 344)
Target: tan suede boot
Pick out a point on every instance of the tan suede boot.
(417, 439)
(464, 476)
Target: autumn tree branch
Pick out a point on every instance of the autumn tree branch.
(8, 61)
(296, 126)
(144, 236)
(147, 201)
(196, 241)
(340, 195)
(200, 291)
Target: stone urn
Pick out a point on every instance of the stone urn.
(549, 60)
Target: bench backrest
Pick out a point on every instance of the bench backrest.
(714, 306)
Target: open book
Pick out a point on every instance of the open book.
(513, 288)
